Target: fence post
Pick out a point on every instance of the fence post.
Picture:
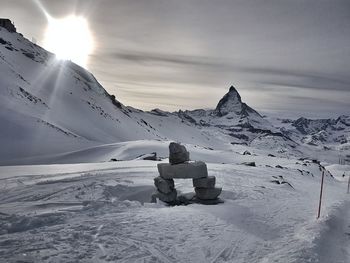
(321, 192)
(349, 185)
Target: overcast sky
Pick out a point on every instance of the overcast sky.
(282, 56)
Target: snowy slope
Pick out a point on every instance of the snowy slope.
(50, 106)
(100, 212)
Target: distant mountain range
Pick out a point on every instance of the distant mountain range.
(49, 106)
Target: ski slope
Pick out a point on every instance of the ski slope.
(100, 212)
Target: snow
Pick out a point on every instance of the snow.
(100, 212)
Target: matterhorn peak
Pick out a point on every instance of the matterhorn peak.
(232, 103)
(232, 88)
(234, 93)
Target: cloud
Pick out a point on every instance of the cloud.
(299, 79)
(148, 57)
(267, 76)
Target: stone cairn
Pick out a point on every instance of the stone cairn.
(179, 166)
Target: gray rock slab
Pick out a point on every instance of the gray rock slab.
(168, 198)
(184, 170)
(164, 185)
(178, 153)
(208, 182)
(207, 193)
(177, 158)
(176, 148)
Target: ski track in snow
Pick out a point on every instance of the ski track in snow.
(104, 216)
(334, 243)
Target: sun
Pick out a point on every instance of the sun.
(69, 38)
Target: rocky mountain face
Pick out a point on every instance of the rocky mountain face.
(49, 106)
(232, 103)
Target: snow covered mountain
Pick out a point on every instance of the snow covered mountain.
(322, 133)
(234, 118)
(237, 123)
(49, 107)
(232, 103)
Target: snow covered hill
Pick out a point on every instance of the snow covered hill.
(52, 108)
(100, 212)
(49, 106)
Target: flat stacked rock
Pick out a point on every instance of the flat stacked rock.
(179, 166)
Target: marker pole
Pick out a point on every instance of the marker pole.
(321, 192)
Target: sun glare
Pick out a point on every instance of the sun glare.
(69, 38)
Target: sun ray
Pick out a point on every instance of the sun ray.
(42, 9)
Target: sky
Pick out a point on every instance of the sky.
(287, 57)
